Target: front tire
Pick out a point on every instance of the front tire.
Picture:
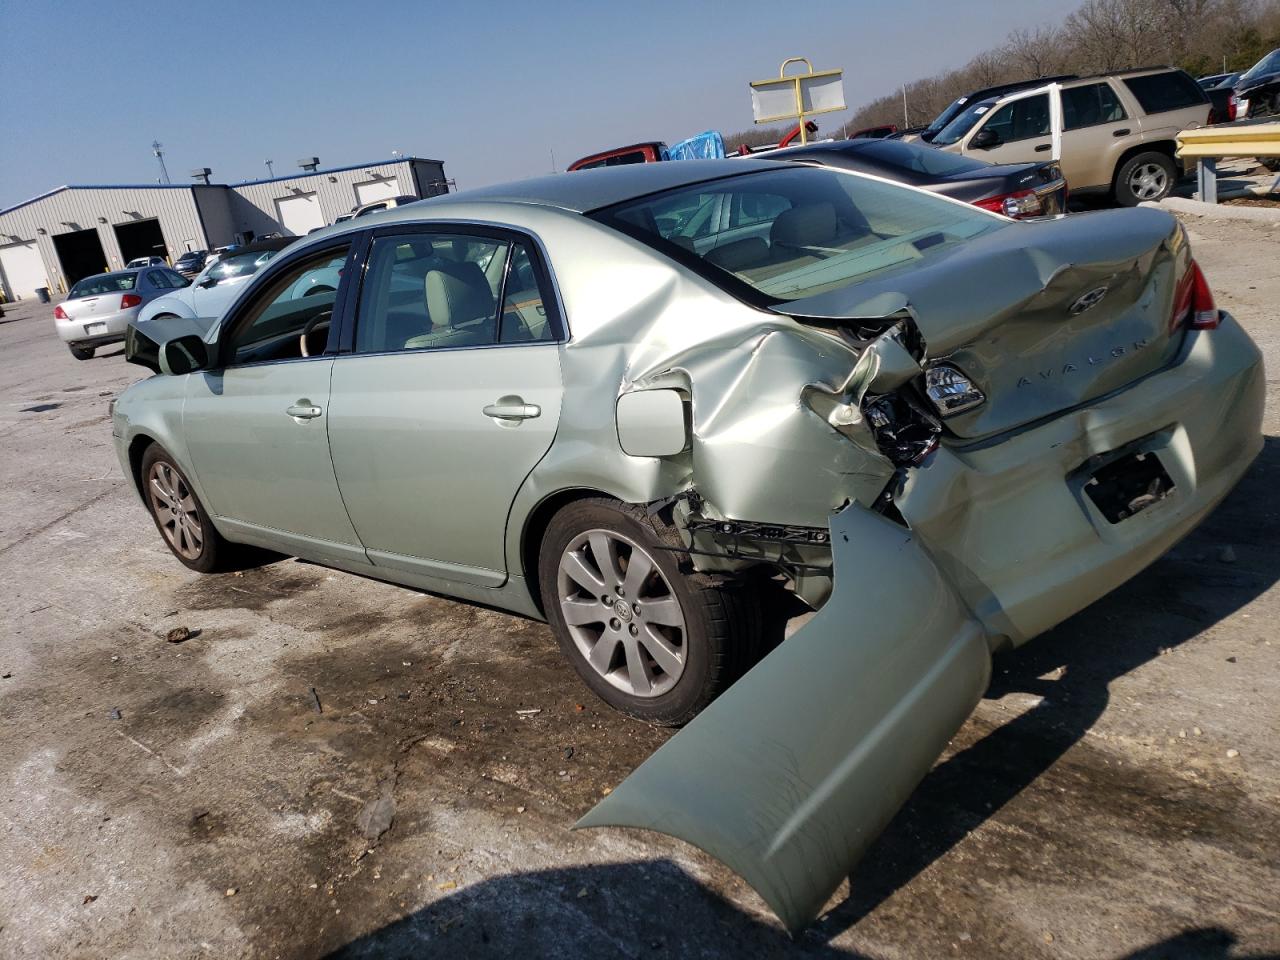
(650, 636)
(81, 353)
(1144, 177)
(179, 515)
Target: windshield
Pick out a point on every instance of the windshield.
(947, 115)
(240, 264)
(1268, 64)
(963, 122)
(106, 283)
(789, 234)
(927, 160)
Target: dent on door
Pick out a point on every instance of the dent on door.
(790, 775)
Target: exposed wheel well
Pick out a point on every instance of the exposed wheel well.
(535, 529)
(137, 448)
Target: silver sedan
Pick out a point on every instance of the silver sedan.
(99, 309)
(636, 401)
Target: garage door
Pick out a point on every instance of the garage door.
(300, 214)
(23, 269)
(373, 190)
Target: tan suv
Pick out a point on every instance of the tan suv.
(1118, 130)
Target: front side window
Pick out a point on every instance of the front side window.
(1021, 119)
(1089, 106)
(291, 316)
(836, 228)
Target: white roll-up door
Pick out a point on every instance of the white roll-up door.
(23, 269)
(300, 214)
(372, 190)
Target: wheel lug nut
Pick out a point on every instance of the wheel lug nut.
(635, 608)
(606, 600)
(615, 624)
(635, 631)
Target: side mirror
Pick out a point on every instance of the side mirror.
(985, 139)
(208, 282)
(183, 355)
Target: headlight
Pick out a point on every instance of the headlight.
(950, 391)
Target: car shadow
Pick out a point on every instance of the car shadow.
(1176, 599)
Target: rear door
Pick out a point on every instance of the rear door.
(1096, 129)
(446, 395)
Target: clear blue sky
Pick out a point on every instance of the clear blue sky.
(489, 88)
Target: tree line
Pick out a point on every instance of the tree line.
(1101, 36)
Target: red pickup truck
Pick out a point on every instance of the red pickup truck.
(649, 152)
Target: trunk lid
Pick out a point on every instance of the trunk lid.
(95, 305)
(1042, 316)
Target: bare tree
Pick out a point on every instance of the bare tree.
(1035, 53)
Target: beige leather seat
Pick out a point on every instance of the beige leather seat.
(460, 305)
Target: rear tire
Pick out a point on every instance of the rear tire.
(81, 353)
(180, 517)
(1144, 177)
(658, 644)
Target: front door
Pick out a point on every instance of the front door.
(1023, 129)
(256, 423)
(448, 398)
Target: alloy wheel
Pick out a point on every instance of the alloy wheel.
(622, 614)
(1148, 181)
(176, 511)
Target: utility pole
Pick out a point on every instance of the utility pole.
(553, 160)
(270, 172)
(157, 149)
(906, 120)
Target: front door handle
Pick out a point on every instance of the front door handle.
(1122, 132)
(512, 408)
(304, 409)
(1043, 147)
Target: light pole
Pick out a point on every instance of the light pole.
(270, 172)
(156, 148)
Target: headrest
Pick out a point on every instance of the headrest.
(740, 255)
(813, 224)
(457, 293)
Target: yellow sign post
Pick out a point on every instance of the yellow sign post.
(797, 96)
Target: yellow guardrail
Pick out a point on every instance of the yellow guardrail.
(1244, 138)
(1231, 140)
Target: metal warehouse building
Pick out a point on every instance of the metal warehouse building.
(58, 237)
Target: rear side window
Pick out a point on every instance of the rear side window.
(1089, 106)
(107, 283)
(1161, 92)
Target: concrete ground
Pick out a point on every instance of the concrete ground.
(1117, 793)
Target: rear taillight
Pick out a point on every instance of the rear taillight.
(1193, 305)
(129, 300)
(1233, 107)
(59, 313)
(1024, 203)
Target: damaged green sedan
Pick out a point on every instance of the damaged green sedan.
(629, 400)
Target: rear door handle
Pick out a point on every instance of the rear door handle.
(1122, 132)
(512, 408)
(1043, 147)
(304, 409)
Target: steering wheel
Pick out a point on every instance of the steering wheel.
(324, 317)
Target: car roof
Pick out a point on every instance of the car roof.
(585, 190)
(111, 273)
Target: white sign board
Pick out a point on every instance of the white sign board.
(789, 98)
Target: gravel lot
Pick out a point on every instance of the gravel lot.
(1117, 794)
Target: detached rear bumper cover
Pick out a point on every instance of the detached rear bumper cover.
(792, 773)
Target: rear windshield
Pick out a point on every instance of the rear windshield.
(789, 234)
(1160, 92)
(964, 121)
(107, 283)
(909, 156)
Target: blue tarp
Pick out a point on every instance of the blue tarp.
(705, 146)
